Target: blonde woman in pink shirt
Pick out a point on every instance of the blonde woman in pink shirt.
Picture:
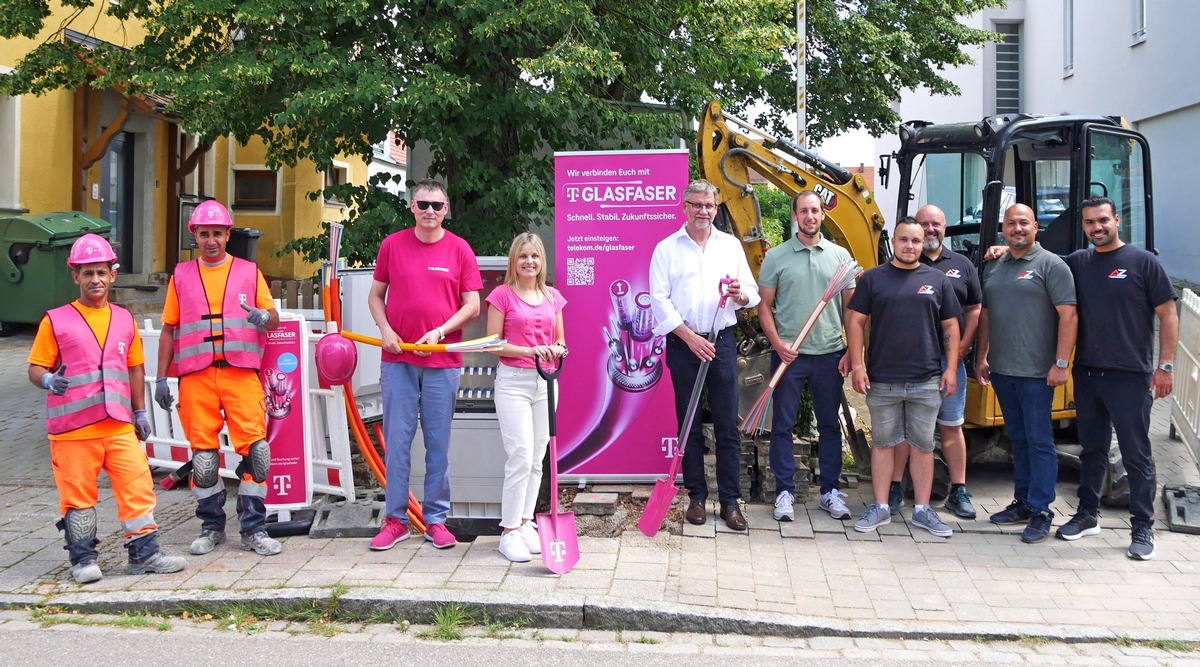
(528, 315)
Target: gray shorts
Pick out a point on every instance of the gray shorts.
(904, 412)
(954, 406)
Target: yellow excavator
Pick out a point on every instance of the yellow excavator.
(973, 171)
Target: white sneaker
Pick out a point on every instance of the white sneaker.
(783, 506)
(832, 502)
(530, 536)
(512, 547)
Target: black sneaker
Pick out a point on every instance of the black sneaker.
(1016, 512)
(1038, 529)
(1141, 547)
(896, 497)
(1083, 524)
(959, 504)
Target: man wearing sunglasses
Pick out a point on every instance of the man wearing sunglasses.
(426, 287)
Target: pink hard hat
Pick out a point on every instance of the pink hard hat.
(209, 212)
(90, 248)
(336, 358)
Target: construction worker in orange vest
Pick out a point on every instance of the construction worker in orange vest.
(217, 312)
(88, 356)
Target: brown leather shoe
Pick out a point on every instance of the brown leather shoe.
(696, 514)
(733, 517)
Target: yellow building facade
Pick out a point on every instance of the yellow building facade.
(126, 160)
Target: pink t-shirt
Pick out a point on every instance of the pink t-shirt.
(525, 324)
(425, 286)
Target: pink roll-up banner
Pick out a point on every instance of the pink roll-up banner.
(283, 378)
(616, 411)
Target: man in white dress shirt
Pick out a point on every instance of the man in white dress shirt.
(685, 289)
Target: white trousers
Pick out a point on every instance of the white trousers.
(520, 397)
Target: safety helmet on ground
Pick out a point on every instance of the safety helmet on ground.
(90, 248)
(336, 358)
(209, 212)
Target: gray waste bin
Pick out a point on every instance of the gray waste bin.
(243, 243)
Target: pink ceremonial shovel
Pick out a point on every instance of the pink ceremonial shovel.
(665, 490)
(556, 530)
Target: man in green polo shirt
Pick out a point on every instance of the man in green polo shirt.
(793, 278)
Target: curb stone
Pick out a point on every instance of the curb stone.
(585, 613)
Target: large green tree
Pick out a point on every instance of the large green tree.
(492, 86)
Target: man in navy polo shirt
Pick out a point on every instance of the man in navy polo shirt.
(1120, 289)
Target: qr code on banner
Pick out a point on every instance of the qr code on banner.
(581, 270)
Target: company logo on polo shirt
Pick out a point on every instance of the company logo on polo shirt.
(925, 289)
(1118, 274)
(1027, 275)
(953, 273)
(439, 268)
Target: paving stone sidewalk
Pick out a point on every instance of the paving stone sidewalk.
(814, 576)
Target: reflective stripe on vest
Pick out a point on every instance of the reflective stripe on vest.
(99, 377)
(200, 334)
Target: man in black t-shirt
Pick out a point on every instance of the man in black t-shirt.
(1120, 288)
(914, 318)
(965, 279)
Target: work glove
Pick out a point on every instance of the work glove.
(162, 394)
(256, 316)
(56, 382)
(141, 425)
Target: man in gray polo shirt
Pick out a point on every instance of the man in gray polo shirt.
(1026, 334)
(792, 280)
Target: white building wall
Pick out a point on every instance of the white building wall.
(1153, 83)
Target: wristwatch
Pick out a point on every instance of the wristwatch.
(1167, 367)
(1061, 363)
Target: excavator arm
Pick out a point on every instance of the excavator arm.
(727, 156)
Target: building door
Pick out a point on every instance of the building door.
(116, 196)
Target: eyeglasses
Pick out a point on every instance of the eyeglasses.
(701, 207)
(435, 205)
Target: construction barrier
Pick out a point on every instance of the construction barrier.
(306, 424)
(1185, 401)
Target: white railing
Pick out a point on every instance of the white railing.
(1185, 401)
(326, 431)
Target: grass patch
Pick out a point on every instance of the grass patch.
(1034, 641)
(449, 622)
(54, 616)
(1173, 645)
(646, 640)
(1124, 641)
(499, 630)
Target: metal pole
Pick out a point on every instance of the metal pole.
(801, 75)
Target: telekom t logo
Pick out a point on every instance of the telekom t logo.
(668, 447)
(558, 550)
(282, 484)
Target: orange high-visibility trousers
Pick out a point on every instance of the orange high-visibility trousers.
(77, 464)
(236, 392)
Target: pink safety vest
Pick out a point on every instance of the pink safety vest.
(99, 377)
(199, 331)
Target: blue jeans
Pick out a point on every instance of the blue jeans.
(721, 387)
(1026, 404)
(820, 373)
(407, 390)
(1105, 400)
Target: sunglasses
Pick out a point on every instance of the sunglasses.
(435, 205)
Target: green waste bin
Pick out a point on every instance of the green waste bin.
(34, 251)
